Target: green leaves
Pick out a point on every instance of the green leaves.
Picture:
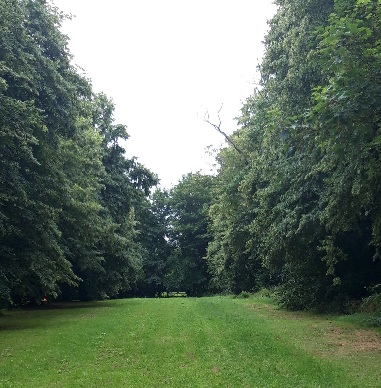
(305, 207)
(67, 193)
(189, 203)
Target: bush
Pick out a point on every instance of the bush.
(372, 306)
(266, 293)
(243, 295)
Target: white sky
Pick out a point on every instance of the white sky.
(165, 63)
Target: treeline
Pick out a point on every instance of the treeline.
(71, 203)
(300, 206)
(295, 204)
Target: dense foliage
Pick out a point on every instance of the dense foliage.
(303, 210)
(295, 203)
(189, 236)
(70, 201)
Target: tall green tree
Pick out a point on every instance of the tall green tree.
(69, 199)
(189, 203)
(232, 265)
(154, 227)
(112, 264)
(310, 134)
(271, 195)
(39, 93)
(346, 118)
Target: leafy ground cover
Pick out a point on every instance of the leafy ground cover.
(185, 342)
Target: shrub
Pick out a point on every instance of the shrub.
(266, 293)
(243, 295)
(372, 305)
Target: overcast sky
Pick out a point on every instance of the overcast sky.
(165, 63)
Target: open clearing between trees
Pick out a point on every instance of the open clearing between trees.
(185, 342)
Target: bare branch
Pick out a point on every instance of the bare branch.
(217, 127)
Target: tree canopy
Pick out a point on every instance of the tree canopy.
(307, 202)
(69, 199)
(295, 203)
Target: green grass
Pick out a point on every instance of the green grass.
(185, 342)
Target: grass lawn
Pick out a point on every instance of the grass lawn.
(185, 342)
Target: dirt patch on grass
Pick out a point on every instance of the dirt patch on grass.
(320, 335)
(261, 307)
(349, 341)
(271, 311)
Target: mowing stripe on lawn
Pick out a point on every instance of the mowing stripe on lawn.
(175, 342)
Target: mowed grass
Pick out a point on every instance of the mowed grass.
(185, 342)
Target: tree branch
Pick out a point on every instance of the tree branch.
(217, 127)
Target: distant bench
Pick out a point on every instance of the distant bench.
(177, 294)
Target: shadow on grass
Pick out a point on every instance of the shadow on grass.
(46, 315)
(72, 305)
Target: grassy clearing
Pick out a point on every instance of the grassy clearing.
(185, 342)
